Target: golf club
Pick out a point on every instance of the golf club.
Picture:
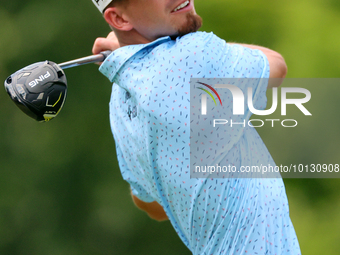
(39, 90)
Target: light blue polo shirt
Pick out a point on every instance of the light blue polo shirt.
(150, 122)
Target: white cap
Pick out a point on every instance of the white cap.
(101, 4)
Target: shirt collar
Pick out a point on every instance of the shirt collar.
(117, 58)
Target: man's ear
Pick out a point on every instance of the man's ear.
(117, 19)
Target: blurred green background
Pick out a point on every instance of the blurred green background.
(60, 188)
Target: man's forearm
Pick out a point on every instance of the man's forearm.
(153, 209)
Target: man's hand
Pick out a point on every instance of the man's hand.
(103, 44)
(153, 209)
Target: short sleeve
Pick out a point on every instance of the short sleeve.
(258, 81)
(249, 68)
(141, 194)
(137, 189)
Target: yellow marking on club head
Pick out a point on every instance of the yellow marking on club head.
(47, 118)
(58, 99)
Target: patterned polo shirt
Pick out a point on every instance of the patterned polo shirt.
(150, 122)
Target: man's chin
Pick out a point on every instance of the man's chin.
(193, 23)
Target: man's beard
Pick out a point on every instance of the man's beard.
(194, 22)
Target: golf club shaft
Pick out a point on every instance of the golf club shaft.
(85, 60)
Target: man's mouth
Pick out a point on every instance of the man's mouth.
(181, 6)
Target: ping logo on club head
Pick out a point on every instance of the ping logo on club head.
(204, 97)
(39, 79)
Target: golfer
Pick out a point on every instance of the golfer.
(156, 50)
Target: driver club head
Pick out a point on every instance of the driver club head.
(39, 90)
